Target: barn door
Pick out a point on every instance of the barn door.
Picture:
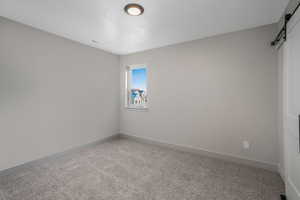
(292, 108)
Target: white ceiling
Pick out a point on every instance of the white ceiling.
(164, 22)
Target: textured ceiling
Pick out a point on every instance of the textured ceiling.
(164, 22)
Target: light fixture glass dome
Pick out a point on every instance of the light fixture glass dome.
(134, 9)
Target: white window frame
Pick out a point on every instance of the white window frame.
(128, 70)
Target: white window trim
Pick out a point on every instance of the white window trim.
(129, 106)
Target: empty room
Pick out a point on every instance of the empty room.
(149, 100)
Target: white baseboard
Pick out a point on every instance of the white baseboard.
(204, 152)
(291, 190)
(281, 172)
(231, 158)
(56, 155)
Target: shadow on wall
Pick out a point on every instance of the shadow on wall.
(15, 84)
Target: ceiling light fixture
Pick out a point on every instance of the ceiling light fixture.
(134, 9)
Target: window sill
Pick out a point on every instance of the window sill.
(141, 109)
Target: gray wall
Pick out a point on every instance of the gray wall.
(55, 94)
(211, 94)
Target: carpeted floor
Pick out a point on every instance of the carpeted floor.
(127, 170)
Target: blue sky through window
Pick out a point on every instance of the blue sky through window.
(139, 79)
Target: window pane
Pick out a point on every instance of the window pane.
(138, 92)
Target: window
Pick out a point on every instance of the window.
(136, 87)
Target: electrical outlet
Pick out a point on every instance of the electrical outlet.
(246, 144)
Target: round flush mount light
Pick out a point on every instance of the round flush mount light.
(134, 9)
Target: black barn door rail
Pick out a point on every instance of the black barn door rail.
(283, 32)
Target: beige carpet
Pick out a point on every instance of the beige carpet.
(127, 170)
